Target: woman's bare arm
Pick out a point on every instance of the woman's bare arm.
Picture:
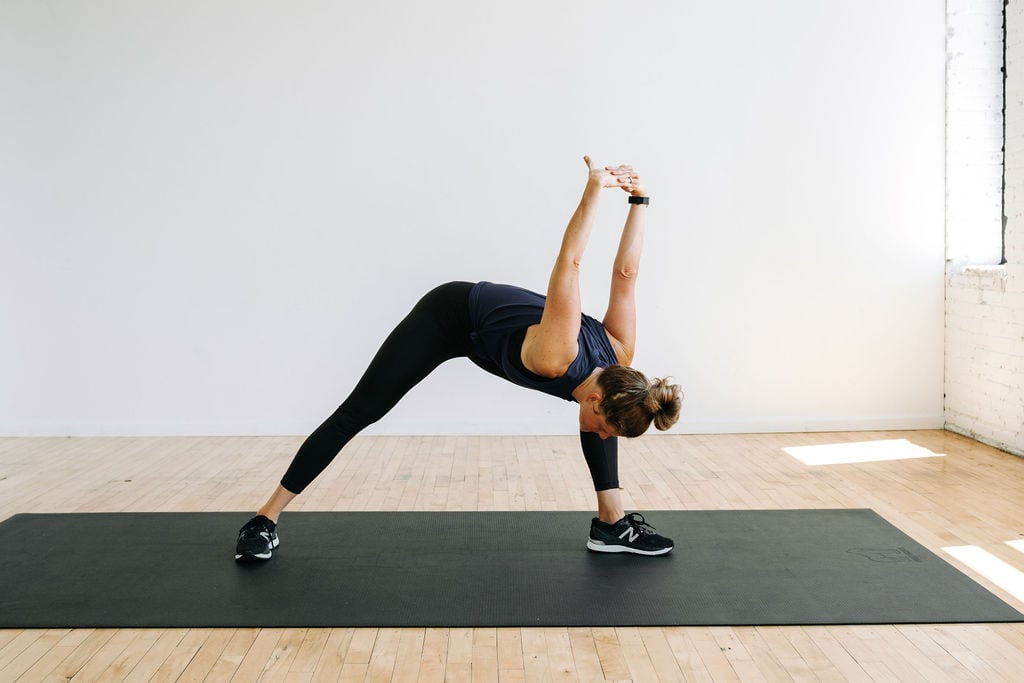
(550, 347)
(620, 318)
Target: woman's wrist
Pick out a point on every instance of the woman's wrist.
(593, 188)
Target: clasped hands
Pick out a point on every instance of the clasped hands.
(622, 176)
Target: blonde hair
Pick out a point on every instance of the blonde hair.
(631, 402)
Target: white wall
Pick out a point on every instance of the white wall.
(213, 212)
(985, 303)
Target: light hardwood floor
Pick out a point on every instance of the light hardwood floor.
(971, 495)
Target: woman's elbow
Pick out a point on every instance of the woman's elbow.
(627, 273)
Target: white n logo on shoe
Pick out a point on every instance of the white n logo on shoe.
(632, 533)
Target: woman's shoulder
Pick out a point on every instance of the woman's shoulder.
(603, 345)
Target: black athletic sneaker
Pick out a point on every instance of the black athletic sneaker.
(631, 534)
(256, 540)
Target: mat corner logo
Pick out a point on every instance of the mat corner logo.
(885, 555)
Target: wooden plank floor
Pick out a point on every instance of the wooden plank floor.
(970, 496)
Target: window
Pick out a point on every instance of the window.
(975, 131)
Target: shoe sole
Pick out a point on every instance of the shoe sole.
(258, 557)
(599, 547)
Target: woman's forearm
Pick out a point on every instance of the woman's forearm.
(564, 285)
(577, 233)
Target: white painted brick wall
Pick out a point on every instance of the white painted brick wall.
(984, 305)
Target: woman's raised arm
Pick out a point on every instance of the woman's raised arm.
(550, 347)
(620, 318)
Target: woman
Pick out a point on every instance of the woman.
(543, 343)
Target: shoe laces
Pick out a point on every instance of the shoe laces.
(254, 528)
(637, 521)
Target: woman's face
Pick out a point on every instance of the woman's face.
(591, 419)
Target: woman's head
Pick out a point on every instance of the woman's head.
(630, 402)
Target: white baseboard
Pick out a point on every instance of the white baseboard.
(544, 427)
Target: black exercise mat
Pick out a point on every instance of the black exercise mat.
(476, 569)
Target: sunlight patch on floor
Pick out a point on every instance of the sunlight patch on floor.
(860, 451)
(991, 567)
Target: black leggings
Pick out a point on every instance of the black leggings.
(436, 330)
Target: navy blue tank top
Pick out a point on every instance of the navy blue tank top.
(500, 314)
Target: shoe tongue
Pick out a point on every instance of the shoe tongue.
(266, 520)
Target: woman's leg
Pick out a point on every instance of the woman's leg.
(609, 506)
(613, 531)
(436, 330)
(276, 504)
(602, 457)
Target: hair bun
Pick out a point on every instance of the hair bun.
(664, 400)
(631, 401)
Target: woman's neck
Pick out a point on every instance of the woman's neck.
(587, 386)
